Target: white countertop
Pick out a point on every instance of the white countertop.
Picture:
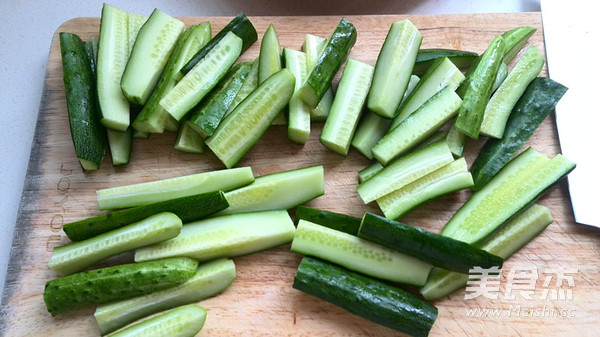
(27, 26)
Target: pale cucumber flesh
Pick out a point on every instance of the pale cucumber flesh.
(347, 106)
(185, 321)
(281, 190)
(358, 254)
(225, 236)
(160, 190)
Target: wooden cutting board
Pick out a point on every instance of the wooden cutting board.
(262, 302)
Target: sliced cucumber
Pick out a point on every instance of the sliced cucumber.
(240, 26)
(153, 118)
(134, 24)
(161, 190)
(206, 117)
(247, 88)
(341, 222)
(119, 143)
(210, 279)
(538, 100)
(77, 256)
(225, 236)
(504, 243)
(187, 208)
(443, 73)
(393, 68)
(203, 77)
(115, 283)
(347, 107)
(189, 140)
(373, 127)
(269, 58)
(422, 123)
(500, 77)
(364, 296)
(281, 190)
(185, 321)
(330, 60)
(514, 188)
(476, 89)
(113, 52)
(456, 141)
(153, 46)
(426, 57)
(313, 46)
(440, 251)
(88, 135)
(405, 170)
(447, 179)
(515, 39)
(369, 171)
(358, 254)
(299, 112)
(239, 131)
(504, 99)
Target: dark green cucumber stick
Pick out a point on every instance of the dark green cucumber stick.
(479, 89)
(367, 297)
(538, 100)
(426, 57)
(87, 132)
(337, 49)
(187, 208)
(514, 40)
(240, 26)
(207, 116)
(341, 222)
(441, 251)
(116, 283)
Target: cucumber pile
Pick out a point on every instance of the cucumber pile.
(410, 113)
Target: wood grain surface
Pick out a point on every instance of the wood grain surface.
(262, 302)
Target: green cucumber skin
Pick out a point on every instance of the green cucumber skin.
(532, 185)
(330, 60)
(247, 88)
(366, 297)
(538, 100)
(115, 283)
(210, 279)
(87, 133)
(393, 68)
(153, 118)
(208, 115)
(478, 89)
(226, 144)
(341, 222)
(185, 321)
(500, 77)
(77, 256)
(426, 57)
(440, 251)
(188, 209)
(240, 26)
(504, 99)
(515, 39)
(504, 243)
